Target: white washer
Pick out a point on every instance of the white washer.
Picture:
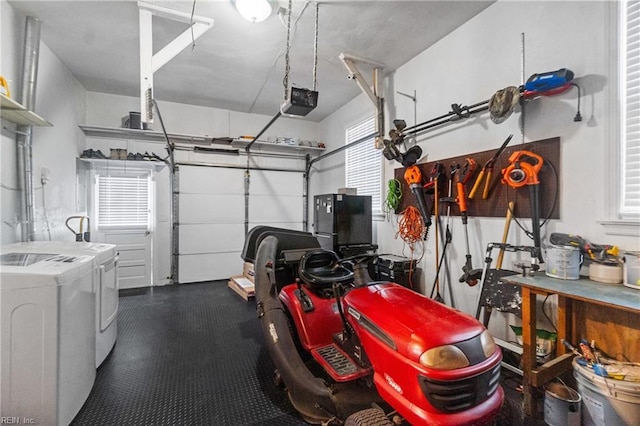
(105, 278)
(47, 336)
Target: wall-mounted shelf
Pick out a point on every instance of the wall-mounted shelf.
(148, 135)
(277, 147)
(123, 164)
(16, 113)
(152, 135)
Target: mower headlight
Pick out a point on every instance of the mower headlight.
(446, 357)
(488, 345)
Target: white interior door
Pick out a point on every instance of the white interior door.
(212, 216)
(122, 208)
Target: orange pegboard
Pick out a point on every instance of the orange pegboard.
(500, 195)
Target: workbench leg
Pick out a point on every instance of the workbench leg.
(565, 315)
(529, 324)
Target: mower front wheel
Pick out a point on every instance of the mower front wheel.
(368, 417)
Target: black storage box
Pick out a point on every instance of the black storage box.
(389, 267)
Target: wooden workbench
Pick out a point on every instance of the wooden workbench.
(606, 313)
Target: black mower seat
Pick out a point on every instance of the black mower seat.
(322, 268)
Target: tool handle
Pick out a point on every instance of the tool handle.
(461, 200)
(476, 185)
(418, 192)
(436, 213)
(534, 198)
(505, 234)
(487, 184)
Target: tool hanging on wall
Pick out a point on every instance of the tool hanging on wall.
(501, 105)
(487, 170)
(433, 186)
(470, 275)
(523, 171)
(413, 177)
(446, 237)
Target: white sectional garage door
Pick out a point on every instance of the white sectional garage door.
(211, 216)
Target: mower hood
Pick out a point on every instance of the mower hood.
(414, 322)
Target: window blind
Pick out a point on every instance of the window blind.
(630, 99)
(363, 163)
(123, 201)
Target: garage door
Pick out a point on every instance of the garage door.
(212, 215)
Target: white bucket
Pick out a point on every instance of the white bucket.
(607, 402)
(632, 269)
(563, 262)
(561, 405)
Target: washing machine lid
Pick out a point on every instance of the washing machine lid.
(23, 259)
(21, 270)
(103, 252)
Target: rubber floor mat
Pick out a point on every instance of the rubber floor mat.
(194, 354)
(190, 354)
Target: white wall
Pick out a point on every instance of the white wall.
(467, 67)
(65, 103)
(60, 99)
(107, 110)
(10, 37)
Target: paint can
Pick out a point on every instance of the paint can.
(632, 269)
(603, 272)
(562, 405)
(605, 401)
(563, 262)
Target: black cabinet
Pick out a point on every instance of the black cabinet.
(342, 223)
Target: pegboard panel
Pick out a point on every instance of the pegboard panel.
(500, 195)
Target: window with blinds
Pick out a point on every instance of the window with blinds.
(630, 108)
(363, 167)
(123, 201)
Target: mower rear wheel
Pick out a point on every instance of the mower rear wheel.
(368, 417)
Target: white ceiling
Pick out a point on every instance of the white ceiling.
(239, 65)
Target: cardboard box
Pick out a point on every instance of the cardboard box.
(248, 272)
(242, 286)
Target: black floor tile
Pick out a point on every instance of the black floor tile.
(194, 354)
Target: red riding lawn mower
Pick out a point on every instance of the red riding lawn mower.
(356, 352)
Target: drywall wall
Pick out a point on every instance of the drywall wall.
(467, 67)
(61, 100)
(107, 110)
(11, 40)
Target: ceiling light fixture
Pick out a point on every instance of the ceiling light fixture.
(254, 10)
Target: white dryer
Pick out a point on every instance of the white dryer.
(105, 278)
(47, 336)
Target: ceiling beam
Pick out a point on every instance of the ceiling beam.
(373, 92)
(150, 63)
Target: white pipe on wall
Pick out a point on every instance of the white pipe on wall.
(24, 133)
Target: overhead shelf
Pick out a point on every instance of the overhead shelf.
(147, 164)
(16, 113)
(148, 135)
(152, 135)
(277, 147)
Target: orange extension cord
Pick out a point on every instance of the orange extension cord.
(411, 229)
